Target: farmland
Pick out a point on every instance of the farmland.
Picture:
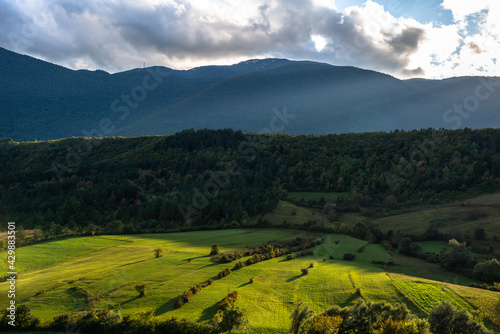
(107, 268)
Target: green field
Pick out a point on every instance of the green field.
(293, 214)
(112, 271)
(482, 211)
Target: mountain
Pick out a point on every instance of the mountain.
(319, 98)
(43, 101)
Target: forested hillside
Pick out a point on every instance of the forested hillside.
(222, 178)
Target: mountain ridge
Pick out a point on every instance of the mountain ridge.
(44, 101)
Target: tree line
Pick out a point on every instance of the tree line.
(221, 178)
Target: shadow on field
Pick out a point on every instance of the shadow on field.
(209, 312)
(168, 306)
(350, 300)
(198, 257)
(244, 284)
(291, 279)
(129, 301)
(129, 264)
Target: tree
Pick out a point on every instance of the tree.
(215, 250)
(408, 247)
(458, 259)
(270, 251)
(158, 252)
(323, 324)
(91, 229)
(479, 233)
(445, 318)
(233, 321)
(488, 271)
(24, 320)
(300, 316)
(141, 288)
(20, 235)
(37, 235)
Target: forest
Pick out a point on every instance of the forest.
(222, 178)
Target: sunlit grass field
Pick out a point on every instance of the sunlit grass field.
(113, 266)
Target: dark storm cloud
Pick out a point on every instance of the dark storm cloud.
(120, 35)
(407, 41)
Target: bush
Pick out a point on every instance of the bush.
(141, 288)
(238, 265)
(228, 301)
(210, 281)
(291, 256)
(224, 273)
(349, 257)
(304, 271)
(215, 250)
(252, 280)
(195, 289)
(331, 257)
(386, 244)
(488, 271)
(445, 318)
(158, 252)
(24, 320)
(311, 265)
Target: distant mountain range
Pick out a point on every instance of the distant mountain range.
(40, 100)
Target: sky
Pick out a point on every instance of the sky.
(404, 38)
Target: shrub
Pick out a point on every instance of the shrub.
(304, 271)
(349, 257)
(331, 257)
(228, 301)
(291, 256)
(252, 280)
(445, 318)
(224, 273)
(210, 281)
(238, 265)
(24, 320)
(215, 250)
(324, 259)
(488, 271)
(158, 252)
(141, 288)
(195, 289)
(386, 244)
(311, 265)
(179, 301)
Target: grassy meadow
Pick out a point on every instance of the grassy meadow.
(108, 268)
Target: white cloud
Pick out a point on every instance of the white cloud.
(319, 42)
(119, 35)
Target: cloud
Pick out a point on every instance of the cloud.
(475, 48)
(119, 35)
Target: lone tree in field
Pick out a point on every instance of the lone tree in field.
(158, 252)
(141, 288)
(215, 250)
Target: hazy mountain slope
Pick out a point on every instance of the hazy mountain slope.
(323, 98)
(478, 98)
(41, 100)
